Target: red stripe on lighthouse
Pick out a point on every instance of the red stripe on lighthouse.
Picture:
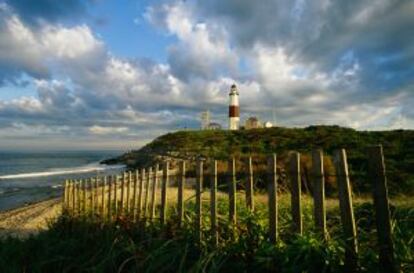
(234, 111)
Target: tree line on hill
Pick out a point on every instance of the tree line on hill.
(259, 143)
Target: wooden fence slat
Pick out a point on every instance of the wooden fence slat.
(213, 201)
(96, 195)
(87, 197)
(296, 204)
(73, 197)
(154, 192)
(378, 179)
(134, 195)
(147, 190)
(250, 187)
(65, 195)
(115, 186)
(180, 199)
(232, 193)
(128, 192)
(272, 191)
(199, 204)
(141, 194)
(319, 191)
(346, 210)
(109, 207)
(68, 198)
(73, 194)
(122, 203)
(91, 196)
(84, 199)
(165, 181)
(79, 197)
(103, 202)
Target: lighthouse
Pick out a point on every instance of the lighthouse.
(234, 110)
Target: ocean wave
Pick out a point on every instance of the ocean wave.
(9, 190)
(52, 172)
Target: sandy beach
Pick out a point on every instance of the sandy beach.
(31, 219)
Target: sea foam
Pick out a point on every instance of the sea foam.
(82, 169)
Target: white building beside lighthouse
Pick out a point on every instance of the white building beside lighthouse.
(234, 110)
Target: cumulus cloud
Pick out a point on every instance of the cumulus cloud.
(202, 50)
(310, 62)
(34, 51)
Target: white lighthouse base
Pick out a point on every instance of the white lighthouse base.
(234, 123)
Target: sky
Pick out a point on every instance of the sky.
(112, 75)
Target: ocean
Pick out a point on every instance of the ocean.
(30, 177)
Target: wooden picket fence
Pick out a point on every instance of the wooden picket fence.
(133, 194)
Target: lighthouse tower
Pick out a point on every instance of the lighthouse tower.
(234, 110)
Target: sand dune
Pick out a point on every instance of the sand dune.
(31, 219)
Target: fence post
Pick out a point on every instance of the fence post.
(96, 195)
(296, 193)
(65, 195)
(140, 194)
(232, 193)
(110, 182)
(249, 187)
(213, 201)
(122, 207)
(154, 192)
(347, 212)
(73, 193)
(376, 173)
(319, 191)
(116, 205)
(180, 199)
(128, 197)
(199, 204)
(89, 196)
(165, 181)
(73, 197)
(272, 191)
(79, 196)
(96, 189)
(103, 188)
(134, 196)
(147, 190)
(84, 196)
(92, 198)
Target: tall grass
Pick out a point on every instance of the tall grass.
(89, 245)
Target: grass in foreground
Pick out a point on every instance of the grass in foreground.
(87, 245)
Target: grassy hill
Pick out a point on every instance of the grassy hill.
(398, 148)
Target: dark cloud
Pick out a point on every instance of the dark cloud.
(48, 10)
(321, 32)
